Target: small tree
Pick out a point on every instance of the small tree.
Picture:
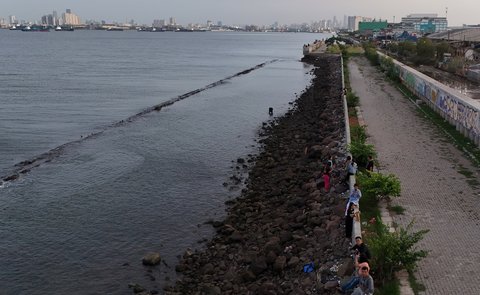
(379, 185)
(360, 152)
(358, 133)
(425, 51)
(395, 251)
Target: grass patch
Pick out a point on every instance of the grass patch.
(416, 286)
(371, 214)
(358, 133)
(473, 182)
(354, 50)
(352, 99)
(397, 209)
(465, 172)
(352, 112)
(334, 49)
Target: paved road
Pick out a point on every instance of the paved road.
(434, 193)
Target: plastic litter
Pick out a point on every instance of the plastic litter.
(309, 267)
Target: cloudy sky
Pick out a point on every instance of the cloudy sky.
(242, 11)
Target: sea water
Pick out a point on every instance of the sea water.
(81, 222)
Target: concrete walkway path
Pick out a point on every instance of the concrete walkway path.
(434, 193)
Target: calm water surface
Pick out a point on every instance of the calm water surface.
(81, 223)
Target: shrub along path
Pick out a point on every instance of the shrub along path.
(436, 191)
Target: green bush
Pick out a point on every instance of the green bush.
(397, 209)
(379, 185)
(407, 49)
(372, 55)
(389, 67)
(395, 251)
(360, 152)
(358, 133)
(456, 64)
(352, 99)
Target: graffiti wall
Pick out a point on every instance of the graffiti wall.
(451, 103)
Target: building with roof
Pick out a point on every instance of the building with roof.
(425, 23)
(373, 26)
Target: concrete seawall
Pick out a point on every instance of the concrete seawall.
(315, 49)
(455, 107)
(356, 225)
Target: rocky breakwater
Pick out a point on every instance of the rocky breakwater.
(283, 220)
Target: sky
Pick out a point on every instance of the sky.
(241, 12)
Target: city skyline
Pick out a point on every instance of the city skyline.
(243, 12)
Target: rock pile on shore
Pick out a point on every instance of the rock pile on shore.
(282, 221)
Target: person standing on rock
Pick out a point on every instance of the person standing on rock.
(330, 163)
(350, 167)
(355, 195)
(370, 164)
(326, 179)
(349, 213)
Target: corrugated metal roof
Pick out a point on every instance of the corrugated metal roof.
(467, 34)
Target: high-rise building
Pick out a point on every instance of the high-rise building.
(70, 18)
(172, 22)
(353, 22)
(56, 21)
(209, 23)
(12, 20)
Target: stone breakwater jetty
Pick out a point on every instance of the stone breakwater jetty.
(282, 221)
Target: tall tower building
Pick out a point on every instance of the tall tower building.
(172, 21)
(55, 18)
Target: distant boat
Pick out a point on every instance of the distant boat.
(36, 29)
(115, 29)
(17, 27)
(64, 28)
